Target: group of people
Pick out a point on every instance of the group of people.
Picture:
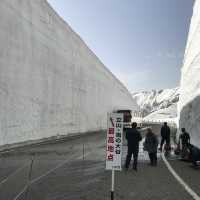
(151, 143)
(133, 137)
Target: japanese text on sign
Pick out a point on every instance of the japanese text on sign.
(114, 141)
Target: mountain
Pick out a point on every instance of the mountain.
(164, 114)
(155, 102)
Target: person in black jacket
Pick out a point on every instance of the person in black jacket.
(184, 140)
(165, 135)
(133, 137)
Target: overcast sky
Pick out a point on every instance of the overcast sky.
(141, 41)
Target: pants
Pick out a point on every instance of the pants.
(134, 152)
(163, 140)
(153, 158)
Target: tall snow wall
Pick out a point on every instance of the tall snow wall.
(51, 83)
(189, 104)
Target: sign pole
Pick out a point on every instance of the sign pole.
(114, 146)
(113, 185)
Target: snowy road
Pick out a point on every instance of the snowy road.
(71, 170)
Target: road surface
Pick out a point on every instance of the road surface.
(75, 169)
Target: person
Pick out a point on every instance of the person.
(133, 137)
(184, 140)
(194, 154)
(151, 145)
(165, 136)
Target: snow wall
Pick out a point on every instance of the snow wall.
(189, 104)
(51, 83)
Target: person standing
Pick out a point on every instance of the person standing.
(165, 136)
(151, 145)
(184, 140)
(133, 137)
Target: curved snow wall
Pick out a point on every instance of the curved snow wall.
(51, 83)
(189, 104)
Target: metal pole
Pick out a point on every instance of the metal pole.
(29, 177)
(83, 151)
(112, 184)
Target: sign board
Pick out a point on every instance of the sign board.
(114, 141)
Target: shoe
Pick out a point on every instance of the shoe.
(135, 168)
(125, 168)
(154, 164)
(150, 164)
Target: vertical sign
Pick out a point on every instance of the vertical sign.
(114, 141)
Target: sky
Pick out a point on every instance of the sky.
(141, 42)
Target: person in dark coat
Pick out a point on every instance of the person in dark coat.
(133, 137)
(151, 145)
(194, 154)
(165, 135)
(184, 140)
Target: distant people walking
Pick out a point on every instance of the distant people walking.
(165, 136)
(133, 137)
(151, 145)
(184, 140)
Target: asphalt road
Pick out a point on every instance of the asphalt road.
(75, 169)
(188, 173)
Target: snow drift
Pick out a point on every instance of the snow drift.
(189, 104)
(51, 83)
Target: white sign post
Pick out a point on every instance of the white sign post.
(114, 145)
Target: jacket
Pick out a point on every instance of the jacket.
(165, 132)
(133, 137)
(151, 143)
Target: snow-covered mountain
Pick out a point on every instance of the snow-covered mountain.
(164, 114)
(156, 101)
